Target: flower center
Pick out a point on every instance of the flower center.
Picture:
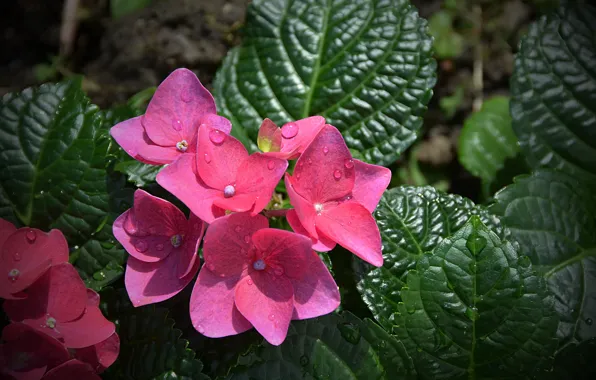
(318, 208)
(13, 275)
(259, 265)
(229, 191)
(176, 240)
(182, 145)
(51, 322)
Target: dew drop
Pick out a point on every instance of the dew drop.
(325, 150)
(14, 274)
(237, 228)
(186, 96)
(159, 247)
(309, 161)
(271, 317)
(524, 261)
(246, 238)
(270, 165)
(589, 321)
(297, 175)
(289, 130)
(349, 163)
(211, 267)
(279, 271)
(337, 174)
(207, 158)
(216, 136)
(472, 313)
(31, 236)
(249, 282)
(229, 191)
(200, 329)
(349, 332)
(141, 246)
(17, 256)
(177, 124)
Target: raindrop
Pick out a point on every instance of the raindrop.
(309, 161)
(99, 276)
(349, 332)
(271, 317)
(207, 158)
(297, 175)
(246, 238)
(237, 228)
(476, 244)
(279, 271)
(472, 313)
(13, 275)
(31, 236)
(229, 191)
(337, 174)
(349, 163)
(141, 246)
(216, 136)
(589, 321)
(200, 329)
(186, 96)
(211, 267)
(325, 150)
(249, 282)
(177, 124)
(17, 256)
(524, 261)
(270, 165)
(289, 130)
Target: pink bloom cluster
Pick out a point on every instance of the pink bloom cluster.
(254, 276)
(57, 330)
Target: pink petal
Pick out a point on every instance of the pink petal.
(258, 175)
(188, 253)
(130, 135)
(6, 229)
(178, 105)
(101, 355)
(212, 308)
(218, 157)
(316, 293)
(325, 171)
(92, 298)
(228, 243)
(60, 292)
(323, 244)
(180, 179)
(284, 252)
(237, 203)
(269, 139)
(307, 130)
(143, 248)
(353, 227)
(217, 122)
(33, 374)
(91, 328)
(30, 252)
(370, 184)
(267, 302)
(72, 370)
(158, 155)
(157, 216)
(304, 209)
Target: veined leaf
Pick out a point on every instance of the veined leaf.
(553, 89)
(574, 362)
(412, 220)
(138, 173)
(365, 65)
(475, 309)
(552, 216)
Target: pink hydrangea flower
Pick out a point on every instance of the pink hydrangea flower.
(72, 369)
(291, 139)
(255, 276)
(101, 355)
(162, 245)
(223, 177)
(59, 305)
(334, 195)
(25, 255)
(169, 127)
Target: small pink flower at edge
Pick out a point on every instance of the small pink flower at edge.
(222, 177)
(333, 196)
(258, 276)
(162, 245)
(169, 127)
(289, 141)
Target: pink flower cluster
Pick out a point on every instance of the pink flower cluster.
(57, 330)
(253, 276)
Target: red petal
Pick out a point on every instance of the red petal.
(307, 130)
(325, 170)
(217, 122)
(258, 176)
(370, 184)
(188, 254)
(180, 179)
(237, 203)
(303, 208)
(269, 139)
(267, 302)
(353, 227)
(178, 105)
(218, 157)
(316, 293)
(72, 370)
(101, 355)
(92, 298)
(91, 328)
(228, 242)
(284, 252)
(145, 248)
(212, 308)
(323, 244)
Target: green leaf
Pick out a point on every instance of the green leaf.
(120, 8)
(574, 362)
(447, 42)
(150, 346)
(330, 347)
(412, 220)
(475, 309)
(487, 139)
(364, 65)
(553, 86)
(552, 216)
(139, 173)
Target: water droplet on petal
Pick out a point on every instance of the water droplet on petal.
(177, 124)
(216, 136)
(309, 161)
(211, 267)
(271, 317)
(289, 130)
(14, 274)
(186, 96)
(17, 256)
(349, 163)
(159, 247)
(337, 174)
(246, 238)
(237, 228)
(31, 236)
(249, 282)
(279, 271)
(141, 246)
(270, 165)
(207, 158)
(229, 191)
(297, 175)
(200, 329)
(325, 150)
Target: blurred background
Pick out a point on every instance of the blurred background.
(122, 47)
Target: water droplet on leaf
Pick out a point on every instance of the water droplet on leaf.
(337, 174)
(472, 313)
(31, 236)
(141, 246)
(349, 163)
(349, 332)
(476, 244)
(289, 130)
(216, 136)
(589, 321)
(524, 261)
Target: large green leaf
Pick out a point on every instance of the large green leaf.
(475, 309)
(553, 91)
(412, 220)
(487, 139)
(150, 346)
(330, 347)
(365, 65)
(552, 216)
(574, 362)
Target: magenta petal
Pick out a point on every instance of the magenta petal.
(323, 244)
(267, 302)
(353, 227)
(157, 216)
(316, 293)
(237, 203)
(143, 248)
(188, 253)
(91, 328)
(212, 308)
(101, 355)
(308, 128)
(258, 175)
(228, 242)
(325, 171)
(131, 136)
(283, 251)
(180, 179)
(217, 122)
(71, 370)
(157, 155)
(218, 157)
(303, 208)
(371, 181)
(177, 107)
